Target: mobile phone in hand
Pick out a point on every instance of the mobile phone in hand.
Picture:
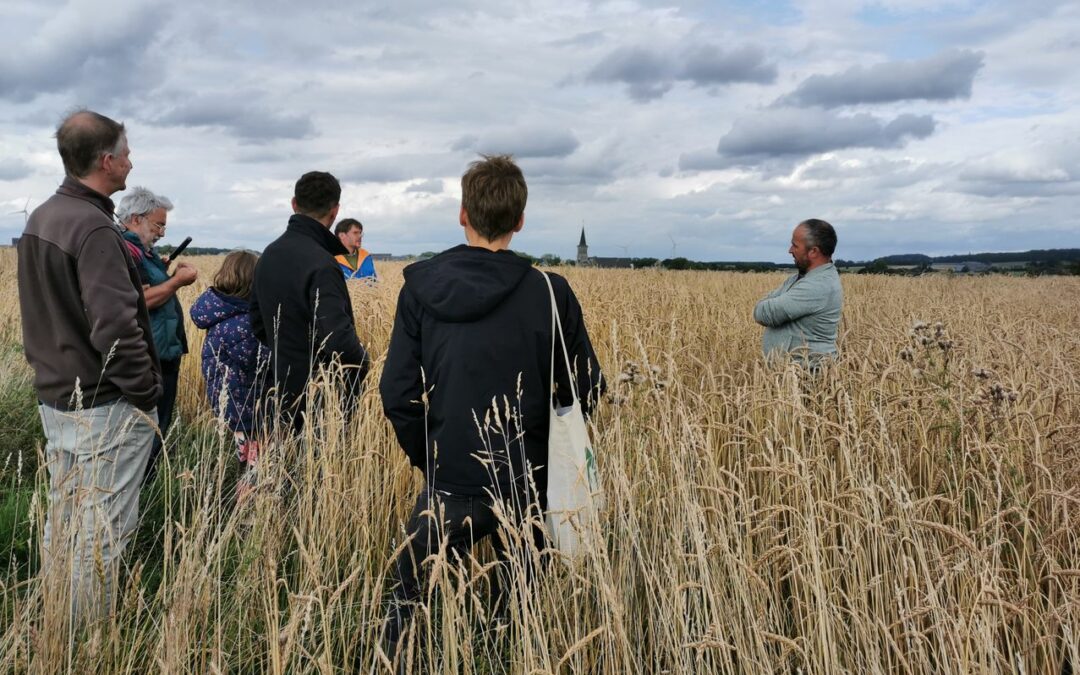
(179, 249)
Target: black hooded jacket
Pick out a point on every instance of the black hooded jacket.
(300, 308)
(473, 331)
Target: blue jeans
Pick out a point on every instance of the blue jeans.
(96, 459)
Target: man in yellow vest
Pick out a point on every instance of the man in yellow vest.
(357, 263)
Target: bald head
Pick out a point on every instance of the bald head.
(84, 137)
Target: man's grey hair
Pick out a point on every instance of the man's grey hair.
(138, 202)
(84, 137)
(821, 234)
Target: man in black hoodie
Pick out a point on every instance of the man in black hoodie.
(300, 307)
(467, 380)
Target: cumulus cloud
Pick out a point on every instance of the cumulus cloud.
(703, 159)
(401, 168)
(707, 65)
(242, 113)
(520, 142)
(587, 39)
(787, 132)
(74, 48)
(1021, 173)
(646, 74)
(13, 168)
(876, 173)
(396, 86)
(649, 74)
(432, 186)
(943, 77)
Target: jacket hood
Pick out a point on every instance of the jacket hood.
(465, 283)
(212, 307)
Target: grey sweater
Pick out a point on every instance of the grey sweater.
(803, 314)
(84, 317)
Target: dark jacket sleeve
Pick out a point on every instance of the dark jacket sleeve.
(112, 304)
(402, 385)
(258, 328)
(589, 380)
(335, 327)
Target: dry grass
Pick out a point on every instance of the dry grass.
(900, 514)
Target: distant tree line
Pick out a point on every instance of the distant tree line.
(1054, 255)
(1039, 261)
(167, 249)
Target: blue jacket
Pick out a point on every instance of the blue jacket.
(365, 266)
(166, 321)
(231, 357)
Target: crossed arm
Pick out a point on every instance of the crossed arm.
(780, 307)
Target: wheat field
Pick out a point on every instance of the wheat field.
(913, 509)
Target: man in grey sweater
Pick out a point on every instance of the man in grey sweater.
(801, 317)
(87, 336)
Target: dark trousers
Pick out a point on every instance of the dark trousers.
(290, 406)
(170, 378)
(465, 520)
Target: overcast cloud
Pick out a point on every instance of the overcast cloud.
(911, 125)
(943, 77)
(649, 74)
(524, 142)
(789, 132)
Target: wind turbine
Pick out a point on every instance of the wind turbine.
(673, 250)
(24, 211)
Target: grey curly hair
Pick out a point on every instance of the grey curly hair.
(138, 202)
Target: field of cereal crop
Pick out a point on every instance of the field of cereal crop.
(914, 509)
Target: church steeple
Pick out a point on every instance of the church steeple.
(582, 249)
(582, 242)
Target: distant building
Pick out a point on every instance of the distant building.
(971, 267)
(582, 249)
(15, 241)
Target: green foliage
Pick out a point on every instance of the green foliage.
(1052, 255)
(676, 264)
(879, 266)
(16, 548)
(716, 266)
(20, 424)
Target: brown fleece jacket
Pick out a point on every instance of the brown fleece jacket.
(84, 318)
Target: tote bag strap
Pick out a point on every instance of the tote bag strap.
(556, 329)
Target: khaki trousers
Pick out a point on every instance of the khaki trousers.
(96, 460)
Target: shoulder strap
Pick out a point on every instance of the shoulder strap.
(136, 252)
(556, 329)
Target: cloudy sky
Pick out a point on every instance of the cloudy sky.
(705, 128)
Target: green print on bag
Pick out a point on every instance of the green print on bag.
(590, 468)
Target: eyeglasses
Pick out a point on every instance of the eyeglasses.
(160, 226)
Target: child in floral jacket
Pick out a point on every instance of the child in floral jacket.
(232, 358)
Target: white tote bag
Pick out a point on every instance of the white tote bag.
(573, 491)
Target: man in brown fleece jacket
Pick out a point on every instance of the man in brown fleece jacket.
(87, 335)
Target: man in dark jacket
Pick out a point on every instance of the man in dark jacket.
(300, 306)
(467, 380)
(87, 335)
